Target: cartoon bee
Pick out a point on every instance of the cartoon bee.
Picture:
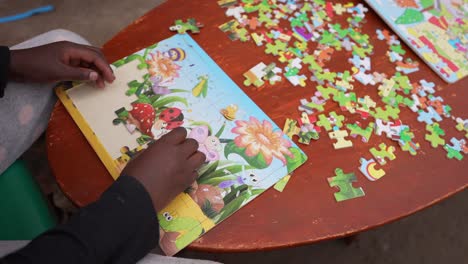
(230, 112)
(175, 54)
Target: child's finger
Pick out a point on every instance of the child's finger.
(176, 136)
(196, 160)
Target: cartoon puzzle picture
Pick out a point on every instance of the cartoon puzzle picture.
(175, 84)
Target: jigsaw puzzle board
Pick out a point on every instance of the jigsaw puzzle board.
(435, 30)
(171, 84)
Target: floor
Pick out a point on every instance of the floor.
(436, 235)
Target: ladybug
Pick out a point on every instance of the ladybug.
(173, 117)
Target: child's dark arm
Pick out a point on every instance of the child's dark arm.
(121, 227)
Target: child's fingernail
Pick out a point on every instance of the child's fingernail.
(93, 76)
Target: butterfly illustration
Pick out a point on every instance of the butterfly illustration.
(208, 145)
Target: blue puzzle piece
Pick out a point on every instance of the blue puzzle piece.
(427, 87)
(380, 35)
(427, 117)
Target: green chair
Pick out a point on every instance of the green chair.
(24, 212)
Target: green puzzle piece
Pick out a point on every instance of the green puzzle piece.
(362, 51)
(291, 72)
(406, 141)
(263, 18)
(384, 114)
(275, 48)
(434, 136)
(410, 147)
(358, 37)
(329, 122)
(329, 39)
(299, 20)
(327, 92)
(326, 76)
(345, 100)
(453, 153)
(313, 65)
(357, 130)
(342, 33)
(398, 49)
(382, 153)
(403, 82)
(182, 27)
(344, 182)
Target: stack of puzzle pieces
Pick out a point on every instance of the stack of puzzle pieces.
(303, 36)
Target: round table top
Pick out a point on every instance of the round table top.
(306, 211)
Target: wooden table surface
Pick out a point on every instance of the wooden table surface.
(306, 211)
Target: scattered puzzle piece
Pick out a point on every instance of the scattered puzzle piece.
(434, 136)
(235, 32)
(368, 169)
(455, 150)
(317, 102)
(182, 27)
(341, 142)
(357, 130)
(281, 184)
(344, 182)
(429, 116)
(276, 47)
(386, 113)
(255, 75)
(305, 133)
(333, 120)
(383, 153)
(462, 125)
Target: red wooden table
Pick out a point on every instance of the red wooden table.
(306, 211)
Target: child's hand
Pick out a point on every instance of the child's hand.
(167, 167)
(60, 61)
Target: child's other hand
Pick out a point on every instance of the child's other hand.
(167, 167)
(60, 61)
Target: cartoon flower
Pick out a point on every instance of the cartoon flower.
(259, 138)
(161, 65)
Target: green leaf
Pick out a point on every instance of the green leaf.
(298, 160)
(210, 170)
(148, 49)
(178, 91)
(134, 84)
(208, 210)
(233, 206)
(220, 131)
(215, 181)
(154, 98)
(426, 3)
(169, 99)
(256, 192)
(257, 161)
(117, 121)
(131, 91)
(134, 57)
(119, 63)
(410, 16)
(143, 99)
(233, 169)
(233, 192)
(142, 66)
